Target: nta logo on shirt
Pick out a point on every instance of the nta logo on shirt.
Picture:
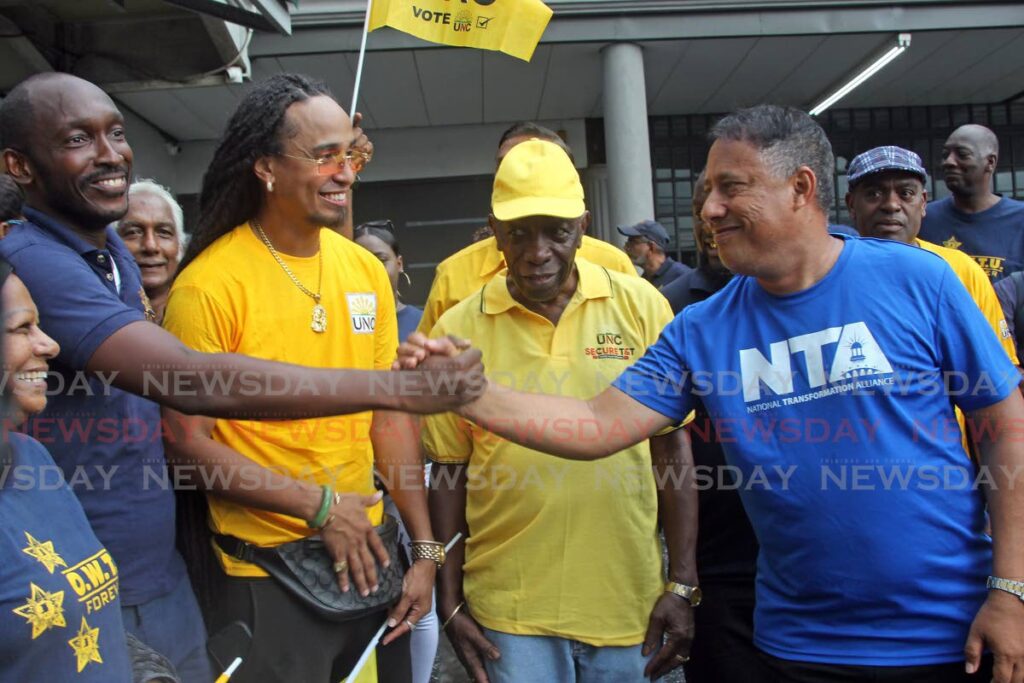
(858, 355)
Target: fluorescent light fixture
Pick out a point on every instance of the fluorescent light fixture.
(902, 43)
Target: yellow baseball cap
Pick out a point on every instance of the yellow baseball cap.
(537, 178)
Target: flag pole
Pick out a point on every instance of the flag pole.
(363, 658)
(362, 57)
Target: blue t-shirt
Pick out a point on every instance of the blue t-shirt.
(408, 321)
(829, 402)
(60, 619)
(107, 441)
(993, 237)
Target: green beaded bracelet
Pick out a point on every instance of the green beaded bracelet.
(325, 507)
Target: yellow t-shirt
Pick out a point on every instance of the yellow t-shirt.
(469, 269)
(980, 288)
(235, 298)
(557, 547)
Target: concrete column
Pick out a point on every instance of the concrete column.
(595, 185)
(627, 142)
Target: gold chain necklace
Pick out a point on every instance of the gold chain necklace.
(319, 323)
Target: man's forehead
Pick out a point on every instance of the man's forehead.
(723, 157)
(148, 203)
(964, 138)
(71, 101)
(319, 122)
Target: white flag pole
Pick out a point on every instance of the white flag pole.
(363, 658)
(362, 57)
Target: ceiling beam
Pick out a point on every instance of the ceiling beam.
(269, 15)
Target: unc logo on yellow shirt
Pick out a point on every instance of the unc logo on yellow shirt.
(362, 309)
(610, 345)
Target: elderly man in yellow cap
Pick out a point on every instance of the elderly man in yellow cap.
(561, 578)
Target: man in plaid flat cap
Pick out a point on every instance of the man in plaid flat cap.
(887, 200)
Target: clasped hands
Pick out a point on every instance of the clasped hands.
(459, 367)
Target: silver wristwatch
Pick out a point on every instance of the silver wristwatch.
(1007, 585)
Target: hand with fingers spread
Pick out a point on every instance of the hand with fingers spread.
(671, 627)
(415, 603)
(998, 627)
(352, 542)
(470, 644)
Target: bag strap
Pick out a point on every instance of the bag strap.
(1018, 311)
(237, 548)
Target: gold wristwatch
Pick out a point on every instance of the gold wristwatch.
(691, 594)
(428, 550)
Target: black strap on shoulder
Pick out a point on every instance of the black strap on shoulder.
(1018, 311)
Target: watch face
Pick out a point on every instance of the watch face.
(696, 596)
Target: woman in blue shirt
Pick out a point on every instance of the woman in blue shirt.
(378, 237)
(60, 617)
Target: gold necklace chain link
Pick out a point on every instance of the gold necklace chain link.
(288, 271)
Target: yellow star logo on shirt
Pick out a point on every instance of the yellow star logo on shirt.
(43, 552)
(42, 610)
(86, 645)
(952, 243)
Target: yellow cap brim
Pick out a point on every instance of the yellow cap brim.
(520, 207)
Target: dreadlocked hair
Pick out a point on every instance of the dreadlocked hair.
(231, 192)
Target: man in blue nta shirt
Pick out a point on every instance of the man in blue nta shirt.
(64, 143)
(827, 392)
(973, 219)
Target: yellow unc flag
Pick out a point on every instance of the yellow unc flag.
(510, 26)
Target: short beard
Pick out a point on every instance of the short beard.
(332, 223)
(90, 222)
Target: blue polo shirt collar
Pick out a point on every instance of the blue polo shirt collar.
(99, 259)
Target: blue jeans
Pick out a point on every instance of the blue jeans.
(173, 626)
(528, 659)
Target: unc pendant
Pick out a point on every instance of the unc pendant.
(319, 323)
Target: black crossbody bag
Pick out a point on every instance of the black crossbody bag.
(306, 570)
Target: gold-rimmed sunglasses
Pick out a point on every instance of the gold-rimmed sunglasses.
(331, 164)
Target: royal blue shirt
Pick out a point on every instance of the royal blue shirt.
(60, 619)
(829, 402)
(993, 237)
(408, 320)
(107, 441)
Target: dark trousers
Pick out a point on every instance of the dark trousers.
(292, 643)
(786, 671)
(173, 626)
(723, 646)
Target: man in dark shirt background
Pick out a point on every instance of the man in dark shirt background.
(710, 275)
(974, 219)
(646, 245)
